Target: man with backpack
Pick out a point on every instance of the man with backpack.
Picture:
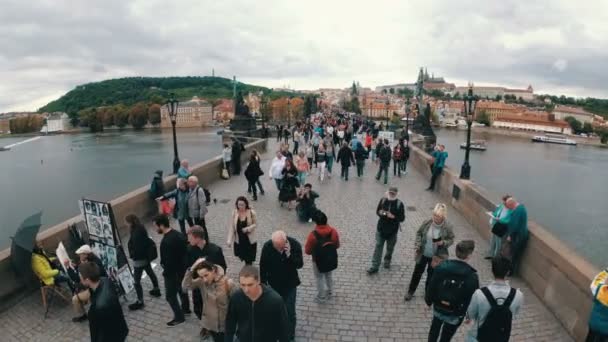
(449, 291)
(197, 202)
(494, 306)
(397, 156)
(391, 212)
(322, 243)
(385, 160)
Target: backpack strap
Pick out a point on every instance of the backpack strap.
(510, 298)
(486, 292)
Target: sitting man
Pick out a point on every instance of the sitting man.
(79, 300)
(306, 203)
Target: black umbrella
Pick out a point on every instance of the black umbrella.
(23, 244)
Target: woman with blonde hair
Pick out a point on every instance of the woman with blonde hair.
(433, 237)
(215, 289)
(241, 231)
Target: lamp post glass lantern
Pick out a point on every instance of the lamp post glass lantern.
(172, 106)
(469, 109)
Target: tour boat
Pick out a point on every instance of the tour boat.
(553, 140)
(477, 145)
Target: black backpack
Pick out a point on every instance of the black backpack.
(325, 253)
(497, 325)
(452, 298)
(151, 251)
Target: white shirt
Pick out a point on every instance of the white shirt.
(276, 167)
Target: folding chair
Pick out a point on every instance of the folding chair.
(48, 292)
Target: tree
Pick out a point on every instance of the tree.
(92, 118)
(384, 91)
(138, 116)
(353, 89)
(26, 124)
(154, 114)
(483, 118)
(603, 133)
(107, 115)
(574, 124)
(498, 97)
(587, 128)
(391, 90)
(121, 116)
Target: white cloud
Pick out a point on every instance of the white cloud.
(52, 46)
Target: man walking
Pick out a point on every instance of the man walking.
(322, 243)
(439, 157)
(345, 158)
(173, 261)
(237, 148)
(279, 264)
(201, 248)
(197, 202)
(493, 307)
(276, 169)
(449, 292)
(385, 160)
(360, 155)
(106, 319)
(256, 313)
(391, 212)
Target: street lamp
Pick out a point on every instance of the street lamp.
(289, 111)
(387, 103)
(469, 109)
(172, 106)
(407, 120)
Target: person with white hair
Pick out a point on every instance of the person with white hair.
(435, 234)
(184, 170)
(279, 264)
(197, 202)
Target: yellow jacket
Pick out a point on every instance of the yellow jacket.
(42, 268)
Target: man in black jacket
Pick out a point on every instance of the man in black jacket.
(450, 291)
(201, 248)
(279, 264)
(106, 319)
(256, 313)
(346, 159)
(237, 148)
(391, 212)
(384, 155)
(173, 259)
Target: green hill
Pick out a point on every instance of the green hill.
(131, 90)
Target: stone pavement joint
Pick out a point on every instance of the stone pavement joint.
(365, 308)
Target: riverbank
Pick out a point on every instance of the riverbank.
(529, 135)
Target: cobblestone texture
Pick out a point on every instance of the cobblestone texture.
(365, 308)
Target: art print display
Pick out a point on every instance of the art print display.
(126, 279)
(99, 222)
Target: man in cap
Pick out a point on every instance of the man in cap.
(83, 295)
(391, 212)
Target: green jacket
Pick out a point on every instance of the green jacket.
(518, 224)
(498, 211)
(446, 234)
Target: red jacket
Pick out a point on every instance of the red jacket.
(311, 241)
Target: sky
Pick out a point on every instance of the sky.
(50, 46)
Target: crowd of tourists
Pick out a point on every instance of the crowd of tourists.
(260, 306)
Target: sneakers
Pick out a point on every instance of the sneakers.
(372, 270)
(187, 311)
(136, 306)
(321, 300)
(408, 297)
(175, 322)
(387, 265)
(155, 292)
(80, 318)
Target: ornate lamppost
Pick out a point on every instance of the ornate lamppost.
(387, 104)
(172, 106)
(289, 111)
(407, 120)
(469, 109)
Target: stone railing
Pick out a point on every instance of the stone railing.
(136, 202)
(558, 275)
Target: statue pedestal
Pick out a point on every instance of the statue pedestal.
(243, 123)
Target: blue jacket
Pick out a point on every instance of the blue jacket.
(180, 211)
(440, 158)
(598, 322)
(518, 224)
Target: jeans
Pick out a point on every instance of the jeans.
(278, 183)
(390, 246)
(182, 224)
(325, 282)
(290, 303)
(418, 270)
(258, 183)
(315, 149)
(321, 170)
(302, 178)
(495, 246)
(447, 332)
(253, 189)
(296, 144)
(173, 288)
(360, 164)
(397, 168)
(594, 336)
(383, 168)
(137, 272)
(404, 165)
(344, 172)
(330, 163)
(435, 174)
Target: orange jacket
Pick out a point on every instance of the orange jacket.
(311, 241)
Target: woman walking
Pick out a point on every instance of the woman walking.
(241, 232)
(330, 153)
(434, 236)
(253, 173)
(215, 289)
(303, 167)
(320, 161)
(180, 211)
(290, 185)
(142, 251)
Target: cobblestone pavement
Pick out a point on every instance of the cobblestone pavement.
(365, 308)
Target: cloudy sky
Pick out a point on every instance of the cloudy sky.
(50, 46)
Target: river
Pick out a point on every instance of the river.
(565, 188)
(52, 173)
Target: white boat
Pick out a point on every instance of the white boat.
(553, 140)
(477, 145)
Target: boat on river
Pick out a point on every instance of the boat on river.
(553, 139)
(477, 145)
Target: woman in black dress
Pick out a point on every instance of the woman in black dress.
(253, 173)
(241, 233)
(289, 185)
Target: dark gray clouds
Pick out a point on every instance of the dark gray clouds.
(48, 47)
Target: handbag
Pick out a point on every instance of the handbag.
(225, 174)
(499, 229)
(166, 207)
